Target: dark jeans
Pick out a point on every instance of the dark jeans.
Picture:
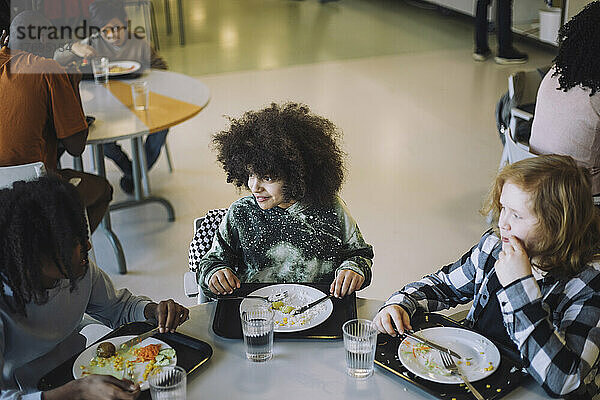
(503, 24)
(152, 146)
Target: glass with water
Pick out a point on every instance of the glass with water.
(140, 93)
(257, 327)
(360, 341)
(169, 384)
(100, 70)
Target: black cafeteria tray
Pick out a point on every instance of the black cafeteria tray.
(191, 354)
(227, 322)
(507, 377)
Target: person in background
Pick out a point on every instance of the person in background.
(567, 111)
(534, 279)
(47, 284)
(507, 54)
(42, 103)
(117, 43)
(294, 227)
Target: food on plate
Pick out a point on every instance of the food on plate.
(281, 306)
(142, 361)
(117, 69)
(106, 350)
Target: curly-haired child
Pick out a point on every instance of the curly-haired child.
(534, 280)
(294, 227)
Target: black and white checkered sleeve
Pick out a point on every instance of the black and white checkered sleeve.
(562, 359)
(452, 285)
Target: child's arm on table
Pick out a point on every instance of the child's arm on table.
(216, 270)
(452, 285)
(354, 272)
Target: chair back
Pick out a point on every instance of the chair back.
(205, 229)
(24, 172)
(523, 87)
(141, 13)
(514, 151)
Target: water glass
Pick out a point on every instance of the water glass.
(360, 341)
(140, 92)
(100, 69)
(168, 384)
(257, 327)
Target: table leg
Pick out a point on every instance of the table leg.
(78, 163)
(105, 224)
(168, 17)
(141, 182)
(181, 28)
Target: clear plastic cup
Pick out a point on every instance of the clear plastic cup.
(168, 384)
(257, 327)
(100, 70)
(360, 341)
(140, 93)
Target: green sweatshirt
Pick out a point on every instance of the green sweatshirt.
(297, 244)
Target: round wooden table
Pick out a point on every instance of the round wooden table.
(174, 98)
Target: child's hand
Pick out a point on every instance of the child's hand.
(390, 316)
(347, 282)
(83, 50)
(513, 262)
(223, 281)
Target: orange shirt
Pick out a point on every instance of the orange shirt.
(38, 106)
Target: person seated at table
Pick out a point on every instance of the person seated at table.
(116, 43)
(294, 227)
(567, 110)
(40, 108)
(48, 284)
(534, 279)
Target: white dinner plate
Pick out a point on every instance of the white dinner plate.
(129, 67)
(298, 296)
(480, 357)
(88, 354)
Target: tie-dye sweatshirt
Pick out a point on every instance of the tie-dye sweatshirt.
(297, 244)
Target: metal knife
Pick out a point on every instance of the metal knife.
(125, 346)
(310, 305)
(412, 335)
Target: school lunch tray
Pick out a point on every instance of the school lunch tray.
(227, 324)
(507, 377)
(191, 354)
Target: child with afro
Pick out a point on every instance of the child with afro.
(293, 227)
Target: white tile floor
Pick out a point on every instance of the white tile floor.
(420, 133)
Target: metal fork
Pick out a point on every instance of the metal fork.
(272, 298)
(451, 366)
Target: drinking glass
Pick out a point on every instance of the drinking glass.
(100, 69)
(360, 340)
(168, 384)
(140, 92)
(257, 327)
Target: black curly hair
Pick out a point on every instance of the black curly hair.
(284, 142)
(39, 220)
(578, 59)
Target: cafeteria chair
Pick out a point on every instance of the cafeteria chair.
(522, 91)
(205, 228)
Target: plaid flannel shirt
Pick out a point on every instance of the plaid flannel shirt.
(554, 323)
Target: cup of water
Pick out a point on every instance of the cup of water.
(140, 93)
(360, 341)
(168, 384)
(100, 70)
(257, 327)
